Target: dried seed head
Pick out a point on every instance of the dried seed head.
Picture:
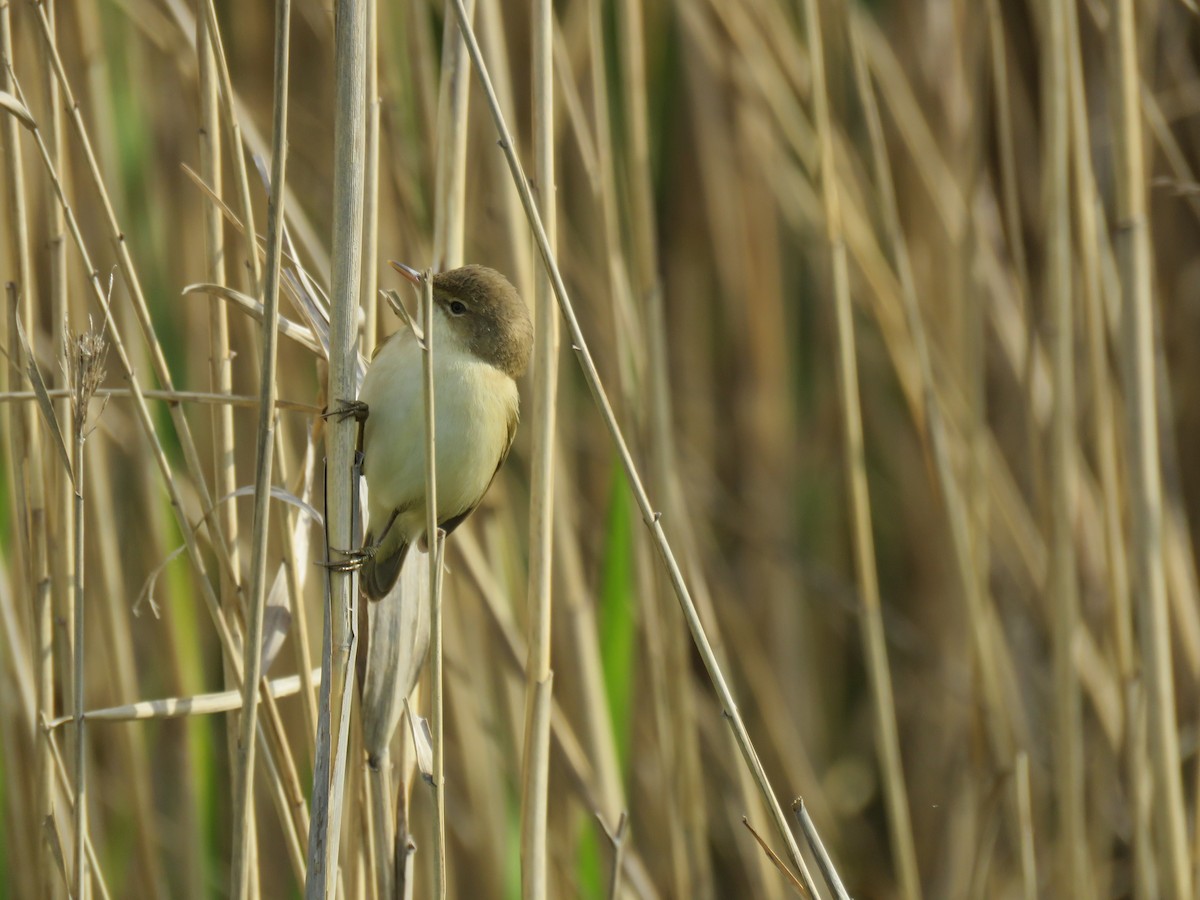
(85, 358)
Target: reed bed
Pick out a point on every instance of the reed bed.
(845, 549)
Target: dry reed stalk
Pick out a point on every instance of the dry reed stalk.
(85, 357)
(295, 556)
(145, 420)
(369, 299)
(818, 848)
(133, 282)
(234, 126)
(243, 830)
(535, 769)
(651, 518)
(207, 397)
(871, 620)
(1145, 480)
(117, 638)
(25, 451)
(220, 352)
(1028, 844)
(449, 209)
(598, 737)
(61, 537)
(570, 752)
(669, 719)
(647, 296)
(341, 612)
(491, 16)
(97, 879)
(1063, 590)
(1095, 256)
(435, 540)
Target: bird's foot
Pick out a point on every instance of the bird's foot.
(348, 409)
(351, 561)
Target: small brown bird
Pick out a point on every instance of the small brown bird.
(483, 338)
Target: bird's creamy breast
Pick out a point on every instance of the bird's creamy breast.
(474, 404)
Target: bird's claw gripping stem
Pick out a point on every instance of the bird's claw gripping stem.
(348, 409)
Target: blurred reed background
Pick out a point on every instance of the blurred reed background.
(897, 313)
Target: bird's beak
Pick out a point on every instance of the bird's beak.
(407, 271)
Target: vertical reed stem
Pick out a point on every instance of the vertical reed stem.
(539, 676)
(887, 741)
(243, 817)
(341, 613)
(1145, 477)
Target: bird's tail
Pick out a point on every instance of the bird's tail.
(379, 573)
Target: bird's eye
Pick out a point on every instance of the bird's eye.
(457, 307)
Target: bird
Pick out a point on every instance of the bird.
(482, 341)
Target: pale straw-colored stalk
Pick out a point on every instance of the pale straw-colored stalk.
(1063, 589)
(233, 124)
(1028, 846)
(243, 801)
(451, 171)
(61, 538)
(535, 774)
(25, 449)
(220, 356)
(369, 297)
(341, 612)
(887, 741)
(206, 397)
(988, 647)
(1145, 476)
(84, 358)
(133, 282)
(434, 540)
(828, 871)
(651, 518)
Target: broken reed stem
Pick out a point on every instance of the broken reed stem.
(434, 542)
(1145, 475)
(535, 775)
(824, 863)
(651, 518)
(243, 801)
(887, 740)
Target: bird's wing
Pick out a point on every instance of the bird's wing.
(454, 521)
